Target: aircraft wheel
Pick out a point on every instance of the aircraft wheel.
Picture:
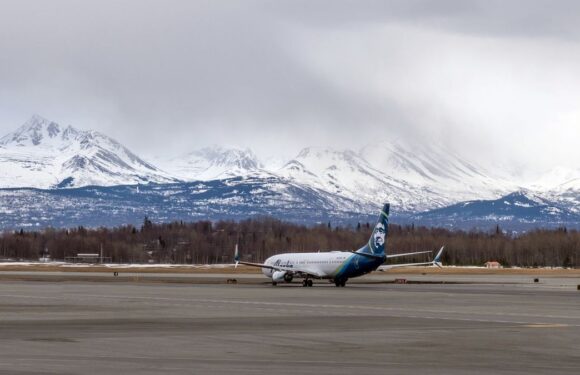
(337, 283)
(343, 283)
(274, 283)
(309, 283)
(304, 282)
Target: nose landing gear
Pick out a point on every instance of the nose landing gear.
(307, 282)
(340, 282)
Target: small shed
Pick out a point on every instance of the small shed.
(492, 264)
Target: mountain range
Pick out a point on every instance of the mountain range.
(47, 170)
(43, 154)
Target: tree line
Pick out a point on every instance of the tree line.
(206, 242)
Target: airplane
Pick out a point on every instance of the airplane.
(336, 266)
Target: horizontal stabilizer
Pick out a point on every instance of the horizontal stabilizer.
(407, 254)
(436, 262)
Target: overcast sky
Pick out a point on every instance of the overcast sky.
(492, 79)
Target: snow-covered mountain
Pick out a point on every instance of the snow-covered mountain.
(519, 210)
(212, 163)
(558, 178)
(347, 174)
(424, 182)
(565, 194)
(414, 177)
(43, 154)
(560, 185)
(235, 199)
(438, 170)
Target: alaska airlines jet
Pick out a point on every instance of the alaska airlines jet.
(336, 266)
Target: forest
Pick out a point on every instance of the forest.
(206, 242)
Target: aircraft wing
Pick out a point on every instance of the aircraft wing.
(261, 265)
(292, 270)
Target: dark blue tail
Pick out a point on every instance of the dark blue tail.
(378, 242)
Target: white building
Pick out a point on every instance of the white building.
(492, 264)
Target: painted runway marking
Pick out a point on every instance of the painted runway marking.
(319, 308)
(325, 306)
(547, 325)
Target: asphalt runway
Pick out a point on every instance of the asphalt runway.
(102, 327)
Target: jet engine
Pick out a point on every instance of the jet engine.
(288, 277)
(279, 276)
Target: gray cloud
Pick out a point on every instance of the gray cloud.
(513, 18)
(171, 76)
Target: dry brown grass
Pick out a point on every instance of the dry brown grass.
(254, 270)
(488, 271)
(121, 268)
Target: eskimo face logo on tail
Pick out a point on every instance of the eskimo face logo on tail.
(378, 236)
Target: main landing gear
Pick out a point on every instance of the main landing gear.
(304, 283)
(341, 282)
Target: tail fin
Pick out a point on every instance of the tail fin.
(437, 259)
(378, 242)
(236, 256)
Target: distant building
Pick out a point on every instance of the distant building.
(492, 264)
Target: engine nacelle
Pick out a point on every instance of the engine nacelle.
(279, 276)
(288, 277)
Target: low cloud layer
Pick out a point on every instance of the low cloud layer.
(496, 80)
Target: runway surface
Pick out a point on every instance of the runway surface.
(102, 327)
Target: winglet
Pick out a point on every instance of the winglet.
(236, 257)
(437, 259)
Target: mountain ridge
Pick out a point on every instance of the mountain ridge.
(42, 154)
(422, 181)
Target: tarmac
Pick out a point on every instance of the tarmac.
(152, 324)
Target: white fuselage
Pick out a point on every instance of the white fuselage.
(327, 265)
